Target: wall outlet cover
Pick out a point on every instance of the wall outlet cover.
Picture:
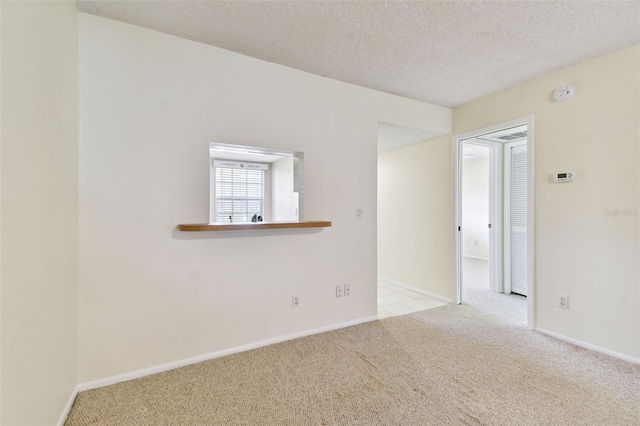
(563, 301)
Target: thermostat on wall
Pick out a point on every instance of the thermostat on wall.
(564, 177)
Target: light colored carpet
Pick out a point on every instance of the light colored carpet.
(476, 292)
(448, 365)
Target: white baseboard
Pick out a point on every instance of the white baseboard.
(213, 355)
(475, 257)
(417, 290)
(588, 346)
(67, 408)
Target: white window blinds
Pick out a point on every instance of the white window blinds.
(239, 193)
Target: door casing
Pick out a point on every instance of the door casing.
(495, 235)
(495, 207)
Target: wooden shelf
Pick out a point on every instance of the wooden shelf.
(206, 227)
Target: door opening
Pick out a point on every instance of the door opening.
(493, 204)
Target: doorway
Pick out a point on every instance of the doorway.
(412, 268)
(493, 205)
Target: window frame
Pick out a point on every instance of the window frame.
(216, 163)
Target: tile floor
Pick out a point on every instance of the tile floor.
(395, 300)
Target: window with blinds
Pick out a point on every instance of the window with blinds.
(239, 191)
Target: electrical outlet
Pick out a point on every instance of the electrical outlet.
(347, 289)
(295, 301)
(563, 301)
(339, 290)
(475, 243)
(359, 213)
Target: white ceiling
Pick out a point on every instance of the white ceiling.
(392, 136)
(446, 53)
(239, 156)
(470, 151)
(224, 151)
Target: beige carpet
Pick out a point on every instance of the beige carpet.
(476, 292)
(449, 365)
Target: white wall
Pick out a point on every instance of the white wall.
(414, 216)
(475, 205)
(284, 202)
(39, 210)
(150, 104)
(580, 251)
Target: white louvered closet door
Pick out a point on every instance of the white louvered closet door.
(517, 210)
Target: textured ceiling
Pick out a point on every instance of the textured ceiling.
(446, 53)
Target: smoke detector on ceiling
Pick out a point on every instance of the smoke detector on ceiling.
(563, 93)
